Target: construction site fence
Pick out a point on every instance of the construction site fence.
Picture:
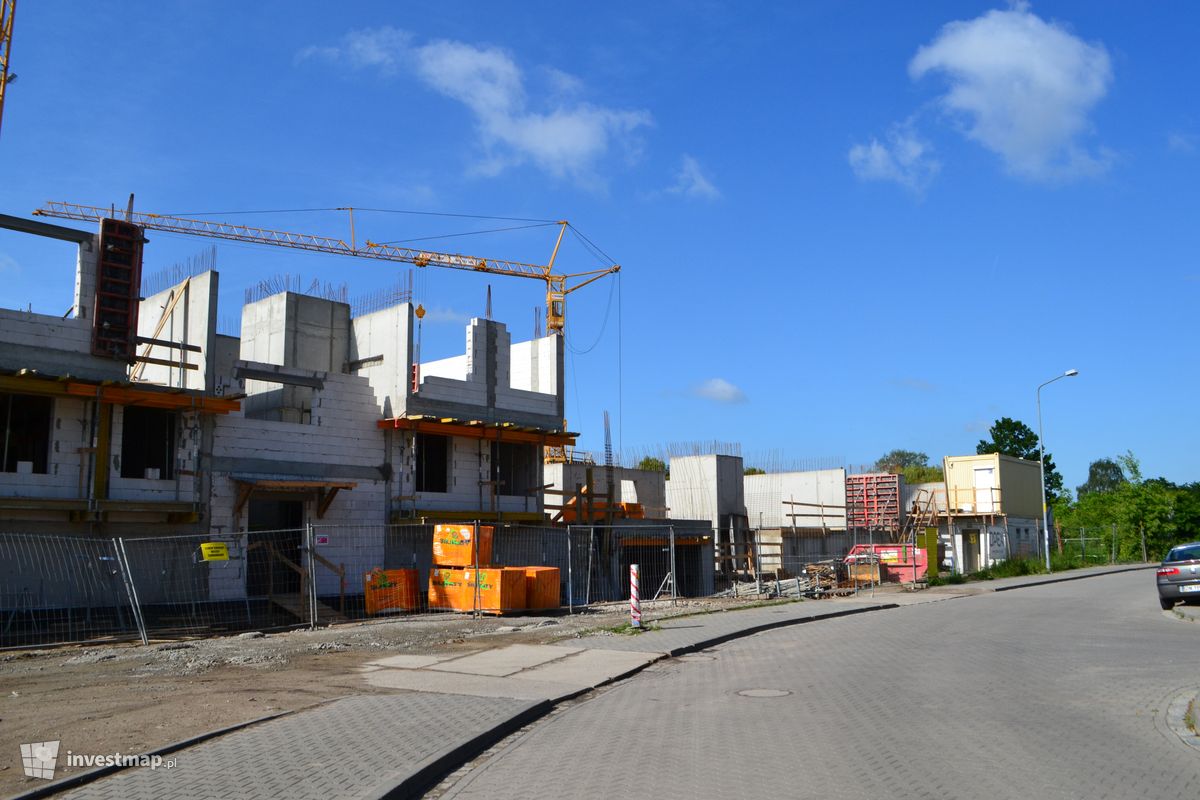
(64, 589)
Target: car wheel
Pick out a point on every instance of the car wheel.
(1166, 604)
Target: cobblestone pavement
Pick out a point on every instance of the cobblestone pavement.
(676, 635)
(1058, 691)
(355, 747)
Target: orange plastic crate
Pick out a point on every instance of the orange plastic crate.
(455, 545)
(390, 590)
(542, 588)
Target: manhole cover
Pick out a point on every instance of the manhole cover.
(764, 693)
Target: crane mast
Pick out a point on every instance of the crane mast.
(558, 285)
(8, 9)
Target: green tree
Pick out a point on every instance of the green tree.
(754, 471)
(1166, 513)
(922, 475)
(897, 460)
(653, 464)
(1014, 438)
(1104, 475)
(914, 466)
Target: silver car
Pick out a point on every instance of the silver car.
(1179, 575)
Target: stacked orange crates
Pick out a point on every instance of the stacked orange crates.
(463, 579)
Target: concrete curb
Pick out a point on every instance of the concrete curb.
(75, 781)
(768, 626)
(1176, 714)
(436, 769)
(1066, 578)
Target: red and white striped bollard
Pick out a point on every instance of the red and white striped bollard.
(635, 602)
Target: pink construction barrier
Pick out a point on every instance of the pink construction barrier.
(897, 562)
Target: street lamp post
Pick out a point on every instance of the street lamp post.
(1071, 373)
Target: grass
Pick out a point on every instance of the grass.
(1015, 567)
(627, 629)
(1189, 718)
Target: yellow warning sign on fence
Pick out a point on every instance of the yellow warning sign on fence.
(214, 551)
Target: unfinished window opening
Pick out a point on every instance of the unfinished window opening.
(26, 421)
(513, 468)
(433, 462)
(148, 443)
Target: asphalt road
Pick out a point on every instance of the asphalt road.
(1051, 692)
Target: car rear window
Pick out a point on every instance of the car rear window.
(1188, 553)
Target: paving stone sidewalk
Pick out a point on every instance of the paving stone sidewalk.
(450, 708)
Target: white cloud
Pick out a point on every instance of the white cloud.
(9, 265)
(720, 390)
(691, 182)
(564, 140)
(384, 49)
(904, 158)
(444, 315)
(914, 383)
(1179, 142)
(1023, 88)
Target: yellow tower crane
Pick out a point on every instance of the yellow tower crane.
(557, 285)
(8, 8)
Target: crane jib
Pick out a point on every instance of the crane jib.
(556, 283)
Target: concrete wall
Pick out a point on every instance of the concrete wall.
(386, 334)
(706, 487)
(912, 492)
(535, 365)
(765, 496)
(494, 383)
(648, 487)
(295, 330)
(192, 321)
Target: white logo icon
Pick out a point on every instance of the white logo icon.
(39, 758)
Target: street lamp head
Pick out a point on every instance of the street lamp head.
(1071, 373)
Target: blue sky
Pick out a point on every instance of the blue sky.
(844, 227)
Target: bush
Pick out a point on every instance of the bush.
(1064, 561)
(1016, 567)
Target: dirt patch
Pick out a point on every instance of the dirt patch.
(132, 698)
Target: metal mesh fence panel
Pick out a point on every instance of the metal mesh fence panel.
(364, 571)
(672, 562)
(59, 589)
(191, 585)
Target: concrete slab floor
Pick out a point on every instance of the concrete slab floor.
(505, 660)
